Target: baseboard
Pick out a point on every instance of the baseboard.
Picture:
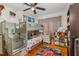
(4, 54)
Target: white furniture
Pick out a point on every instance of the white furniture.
(32, 42)
(1, 44)
(46, 38)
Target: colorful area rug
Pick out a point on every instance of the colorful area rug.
(47, 51)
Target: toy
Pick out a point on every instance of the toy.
(52, 41)
(56, 55)
(57, 51)
(47, 53)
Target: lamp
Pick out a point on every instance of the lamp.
(33, 8)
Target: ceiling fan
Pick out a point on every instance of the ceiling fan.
(33, 7)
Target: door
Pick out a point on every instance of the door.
(54, 24)
(51, 25)
(45, 24)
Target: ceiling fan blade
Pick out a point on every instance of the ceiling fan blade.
(40, 8)
(27, 4)
(26, 9)
(34, 11)
(35, 4)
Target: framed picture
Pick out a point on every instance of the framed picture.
(30, 19)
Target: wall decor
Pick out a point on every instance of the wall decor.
(12, 14)
(28, 18)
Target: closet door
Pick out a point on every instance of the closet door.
(45, 24)
(54, 24)
(51, 25)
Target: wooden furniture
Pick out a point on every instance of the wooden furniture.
(74, 26)
(68, 32)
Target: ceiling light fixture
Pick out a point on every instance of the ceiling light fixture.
(33, 8)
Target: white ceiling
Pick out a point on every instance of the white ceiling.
(50, 8)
